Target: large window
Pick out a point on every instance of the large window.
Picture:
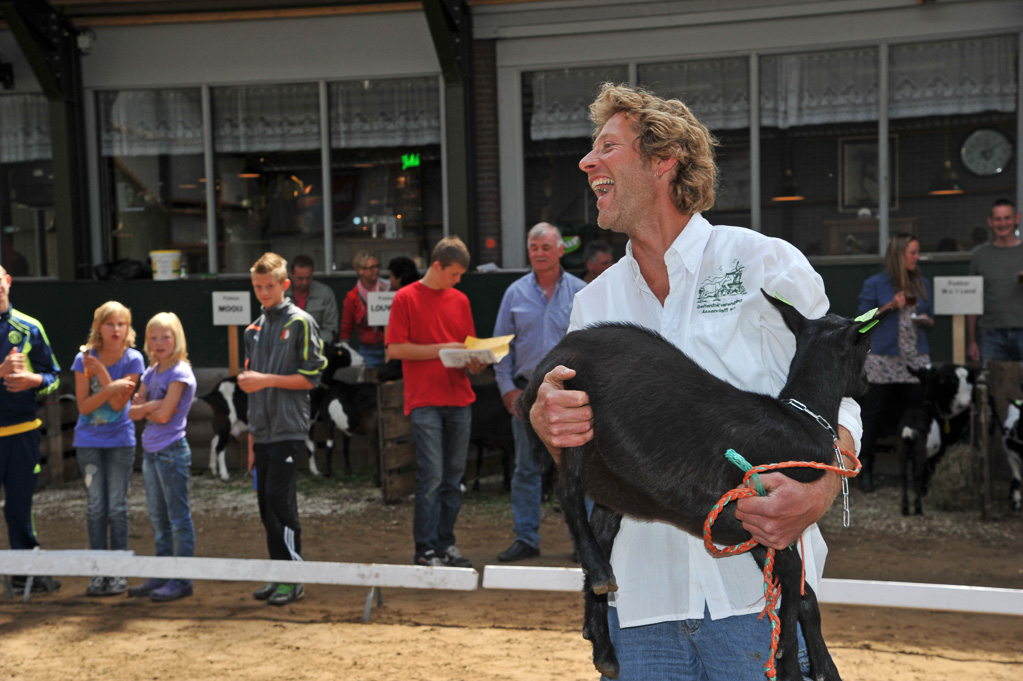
(27, 235)
(386, 177)
(953, 111)
(151, 149)
(557, 134)
(266, 141)
(818, 141)
(384, 183)
(717, 92)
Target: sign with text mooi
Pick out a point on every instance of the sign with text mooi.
(379, 304)
(231, 308)
(958, 295)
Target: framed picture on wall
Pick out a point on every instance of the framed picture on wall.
(858, 176)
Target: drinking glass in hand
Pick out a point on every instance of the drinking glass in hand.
(910, 298)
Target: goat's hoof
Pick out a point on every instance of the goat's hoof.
(606, 664)
(905, 510)
(601, 588)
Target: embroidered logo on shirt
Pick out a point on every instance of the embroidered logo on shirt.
(286, 334)
(721, 293)
(15, 337)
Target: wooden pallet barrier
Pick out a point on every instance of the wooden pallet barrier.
(397, 451)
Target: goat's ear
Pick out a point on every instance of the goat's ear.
(793, 319)
(922, 373)
(868, 322)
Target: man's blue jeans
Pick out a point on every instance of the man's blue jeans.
(166, 476)
(1001, 345)
(441, 436)
(526, 488)
(106, 472)
(729, 649)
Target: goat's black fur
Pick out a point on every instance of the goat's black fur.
(230, 405)
(662, 426)
(925, 433)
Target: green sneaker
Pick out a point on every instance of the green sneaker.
(287, 593)
(265, 592)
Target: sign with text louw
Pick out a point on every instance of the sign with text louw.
(958, 295)
(379, 307)
(232, 308)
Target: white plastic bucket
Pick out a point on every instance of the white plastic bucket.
(166, 264)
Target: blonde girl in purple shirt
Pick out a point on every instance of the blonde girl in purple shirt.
(163, 400)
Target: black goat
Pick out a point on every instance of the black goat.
(351, 409)
(230, 406)
(668, 462)
(926, 432)
(491, 429)
(1012, 442)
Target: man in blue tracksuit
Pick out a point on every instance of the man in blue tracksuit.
(28, 367)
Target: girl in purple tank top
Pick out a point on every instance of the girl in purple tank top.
(163, 401)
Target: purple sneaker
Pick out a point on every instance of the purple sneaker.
(149, 587)
(171, 591)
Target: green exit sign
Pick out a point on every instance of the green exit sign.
(409, 161)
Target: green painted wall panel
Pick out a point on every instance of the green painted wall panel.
(65, 308)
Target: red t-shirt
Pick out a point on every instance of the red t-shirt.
(422, 315)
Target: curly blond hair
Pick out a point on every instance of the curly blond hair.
(667, 129)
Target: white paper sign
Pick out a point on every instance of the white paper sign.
(958, 295)
(231, 308)
(379, 304)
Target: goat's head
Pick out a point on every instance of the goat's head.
(949, 387)
(836, 345)
(341, 355)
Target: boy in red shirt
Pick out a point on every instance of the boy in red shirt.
(427, 317)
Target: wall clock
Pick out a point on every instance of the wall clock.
(986, 152)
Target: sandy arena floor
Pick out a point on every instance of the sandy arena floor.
(222, 633)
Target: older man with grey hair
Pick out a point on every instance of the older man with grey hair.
(536, 308)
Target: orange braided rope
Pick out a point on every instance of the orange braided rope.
(752, 487)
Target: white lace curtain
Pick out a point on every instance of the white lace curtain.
(818, 88)
(25, 133)
(391, 112)
(959, 77)
(264, 118)
(716, 91)
(150, 122)
(841, 86)
(561, 100)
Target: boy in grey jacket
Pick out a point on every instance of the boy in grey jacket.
(283, 362)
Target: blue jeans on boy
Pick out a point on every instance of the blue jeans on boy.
(373, 355)
(526, 488)
(166, 476)
(106, 472)
(729, 649)
(1001, 345)
(441, 436)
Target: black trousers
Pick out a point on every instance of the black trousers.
(881, 410)
(19, 459)
(276, 475)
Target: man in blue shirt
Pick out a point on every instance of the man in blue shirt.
(28, 367)
(536, 308)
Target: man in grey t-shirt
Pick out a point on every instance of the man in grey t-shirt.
(1001, 264)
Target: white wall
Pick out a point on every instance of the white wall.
(237, 52)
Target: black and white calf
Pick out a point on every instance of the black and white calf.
(661, 428)
(925, 433)
(1012, 442)
(230, 406)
